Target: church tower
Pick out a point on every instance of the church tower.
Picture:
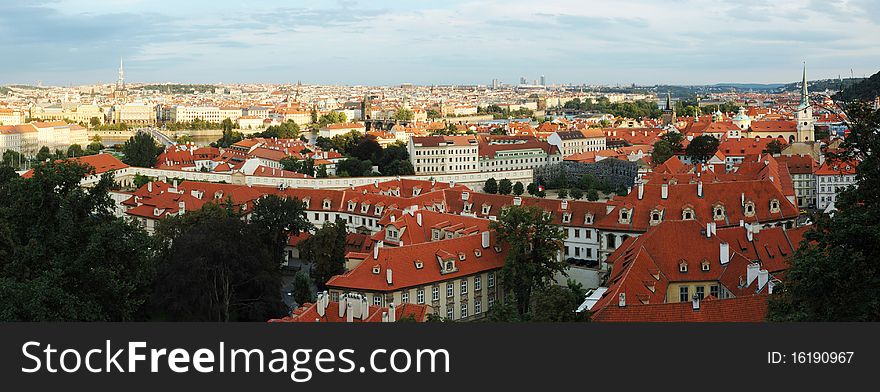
(119, 91)
(804, 114)
(668, 111)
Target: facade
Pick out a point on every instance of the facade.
(133, 114)
(502, 154)
(803, 175)
(332, 130)
(11, 116)
(577, 141)
(832, 177)
(444, 154)
(207, 113)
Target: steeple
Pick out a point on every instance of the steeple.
(805, 97)
(668, 101)
(120, 80)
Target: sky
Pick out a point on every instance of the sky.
(386, 42)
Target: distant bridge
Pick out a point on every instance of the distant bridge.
(161, 137)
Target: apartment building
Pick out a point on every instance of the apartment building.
(136, 113)
(803, 175)
(577, 141)
(832, 177)
(444, 154)
(179, 113)
(516, 153)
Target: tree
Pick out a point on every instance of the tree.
(94, 148)
(12, 158)
(43, 154)
(504, 187)
(70, 258)
(276, 218)
(94, 122)
(314, 115)
(229, 138)
(291, 163)
(302, 289)
(403, 114)
(702, 148)
(367, 150)
(675, 140)
(353, 167)
(141, 150)
(491, 186)
(833, 276)
(562, 193)
(661, 152)
(588, 181)
(577, 194)
(226, 125)
(184, 139)
(774, 147)
(75, 150)
(592, 195)
(532, 188)
(533, 244)
(325, 251)
(399, 168)
(216, 267)
(518, 188)
(558, 304)
(433, 113)
(286, 130)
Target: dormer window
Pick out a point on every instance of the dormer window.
(418, 264)
(656, 217)
(461, 257)
(565, 204)
(704, 266)
(478, 253)
(446, 266)
(326, 204)
(624, 215)
(687, 214)
(467, 207)
(682, 266)
(417, 191)
(391, 233)
(435, 234)
(718, 212)
(351, 205)
(588, 219)
(750, 209)
(774, 205)
(379, 210)
(486, 208)
(517, 201)
(376, 270)
(364, 208)
(566, 217)
(306, 202)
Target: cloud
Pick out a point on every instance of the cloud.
(389, 42)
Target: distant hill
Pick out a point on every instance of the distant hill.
(822, 85)
(866, 90)
(749, 86)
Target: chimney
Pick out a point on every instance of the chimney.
(181, 208)
(320, 304)
(392, 313)
(375, 252)
(664, 191)
(384, 317)
(388, 276)
(695, 302)
(708, 230)
(641, 190)
(465, 195)
(750, 235)
(349, 315)
(724, 255)
(419, 219)
(763, 278)
(742, 199)
(699, 188)
(150, 187)
(485, 238)
(343, 303)
(621, 300)
(752, 273)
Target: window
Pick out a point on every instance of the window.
(491, 302)
(701, 292)
(577, 233)
(464, 310)
(478, 307)
(377, 300)
(713, 290)
(682, 266)
(464, 286)
(704, 265)
(404, 297)
(478, 283)
(435, 293)
(449, 314)
(334, 296)
(683, 294)
(490, 279)
(449, 292)
(420, 296)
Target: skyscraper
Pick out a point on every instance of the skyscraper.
(543, 81)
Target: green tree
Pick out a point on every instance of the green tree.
(302, 289)
(834, 274)
(491, 186)
(226, 125)
(505, 187)
(276, 218)
(141, 150)
(661, 152)
(562, 193)
(403, 114)
(70, 258)
(592, 195)
(325, 251)
(533, 244)
(94, 148)
(532, 188)
(43, 154)
(577, 193)
(433, 113)
(314, 116)
(12, 158)
(229, 138)
(702, 148)
(94, 122)
(555, 303)
(353, 167)
(291, 163)
(518, 188)
(75, 150)
(774, 147)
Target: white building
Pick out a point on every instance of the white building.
(576, 142)
(444, 154)
(832, 178)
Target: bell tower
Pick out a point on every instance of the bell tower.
(804, 114)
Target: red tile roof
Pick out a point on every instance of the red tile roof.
(752, 308)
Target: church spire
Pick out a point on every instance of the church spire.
(668, 101)
(805, 97)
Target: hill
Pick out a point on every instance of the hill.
(866, 90)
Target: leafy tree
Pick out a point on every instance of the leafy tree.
(433, 113)
(541, 194)
(399, 168)
(184, 139)
(43, 154)
(275, 219)
(661, 152)
(491, 186)
(834, 274)
(314, 115)
(321, 171)
(353, 167)
(325, 251)
(291, 163)
(216, 267)
(702, 148)
(532, 188)
(286, 130)
(558, 304)
(533, 245)
(94, 122)
(588, 181)
(577, 194)
(675, 140)
(592, 195)
(140, 180)
(302, 288)
(332, 118)
(226, 125)
(562, 193)
(774, 147)
(229, 138)
(12, 158)
(70, 258)
(505, 187)
(75, 150)
(367, 150)
(141, 150)
(94, 148)
(403, 114)
(518, 188)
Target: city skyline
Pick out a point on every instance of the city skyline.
(68, 42)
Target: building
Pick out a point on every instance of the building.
(803, 175)
(457, 277)
(353, 308)
(133, 114)
(444, 154)
(577, 141)
(832, 177)
(11, 116)
(213, 114)
(332, 130)
(515, 153)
